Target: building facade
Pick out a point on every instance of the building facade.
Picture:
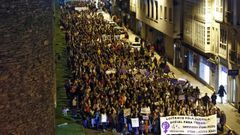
(230, 45)
(200, 36)
(210, 43)
(155, 23)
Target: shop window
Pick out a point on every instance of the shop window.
(204, 70)
(193, 62)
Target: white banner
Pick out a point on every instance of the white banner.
(188, 125)
(135, 122)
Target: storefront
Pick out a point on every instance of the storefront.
(193, 62)
(202, 68)
(207, 71)
(178, 60)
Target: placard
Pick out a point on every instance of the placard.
(145, 110)
(135, 122)
(103, 118)
(127, 112)
(188, 125)
(145, 117)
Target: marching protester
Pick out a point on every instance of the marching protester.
(110, 77)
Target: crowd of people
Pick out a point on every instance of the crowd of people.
(109, 77)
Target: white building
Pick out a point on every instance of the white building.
(209, 38)
(155, 20)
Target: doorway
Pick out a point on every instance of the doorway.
(233, 89)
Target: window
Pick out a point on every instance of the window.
(223, 36)
(170, 14)
(152, 9)
(200, 9)
(234, 45)
(148, 8)
(222, 46)
(156, 5)
(219, 6)
(229, 5)
(165, 13)
(199, 34)
(161, 12)
(208, 35)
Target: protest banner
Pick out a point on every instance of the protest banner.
(145, 110)
(103, 118)
(127, 112)
(188, 125)
(135, 122)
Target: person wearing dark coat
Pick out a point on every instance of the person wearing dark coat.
(205, 99)
(222, 120)
(221, 92)
(214, 98)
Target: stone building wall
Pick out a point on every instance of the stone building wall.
(26, 68)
